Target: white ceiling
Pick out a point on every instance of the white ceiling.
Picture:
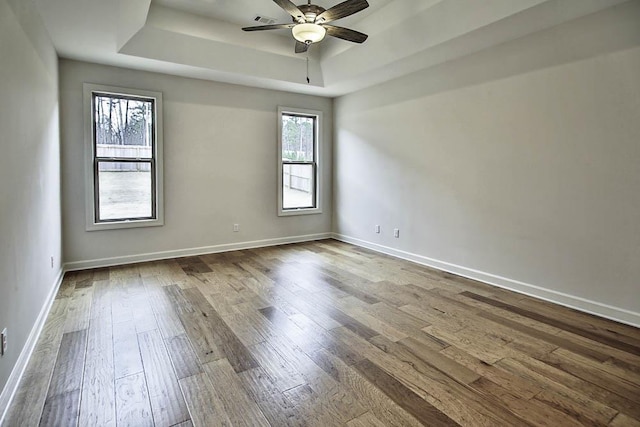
(203, 38)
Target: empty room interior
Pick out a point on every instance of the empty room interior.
(319, 213)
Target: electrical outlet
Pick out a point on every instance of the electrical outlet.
(396, 232)
(378, 229)
(3, 342)
(236, 227)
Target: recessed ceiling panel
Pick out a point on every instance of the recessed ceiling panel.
(204, 38)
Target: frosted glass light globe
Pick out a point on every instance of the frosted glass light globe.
(312, 33)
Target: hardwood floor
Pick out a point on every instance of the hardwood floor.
(319, 334)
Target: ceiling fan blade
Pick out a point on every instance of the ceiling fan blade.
(301, 47)
(342, 10)
(268, 27)
(345, 34)
(291, 9)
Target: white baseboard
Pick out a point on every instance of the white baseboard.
(11, 386)
(155, 256)
(592, 307)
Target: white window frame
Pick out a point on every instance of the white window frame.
(318, 162)
(89, 155)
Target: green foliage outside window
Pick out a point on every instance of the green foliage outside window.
(297, 138)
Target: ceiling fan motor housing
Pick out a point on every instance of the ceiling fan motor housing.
(310, 12)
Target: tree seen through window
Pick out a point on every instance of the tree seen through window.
(297, 138)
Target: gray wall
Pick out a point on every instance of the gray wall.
(518, 165)
(30, 228)
(219, 165)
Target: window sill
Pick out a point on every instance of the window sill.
(302, 211)
(93, 226)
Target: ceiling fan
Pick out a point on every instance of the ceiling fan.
(310, 22)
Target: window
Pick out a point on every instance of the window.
(123, 148)
(299, 140)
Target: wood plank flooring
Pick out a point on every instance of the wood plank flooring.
(319, 334)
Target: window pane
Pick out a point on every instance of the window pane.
(124, 190)
(123, 127)
(298, 138)
(298, 188)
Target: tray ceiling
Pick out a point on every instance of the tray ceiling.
(203, 38)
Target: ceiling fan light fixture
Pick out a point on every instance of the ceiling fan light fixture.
(308, 33)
